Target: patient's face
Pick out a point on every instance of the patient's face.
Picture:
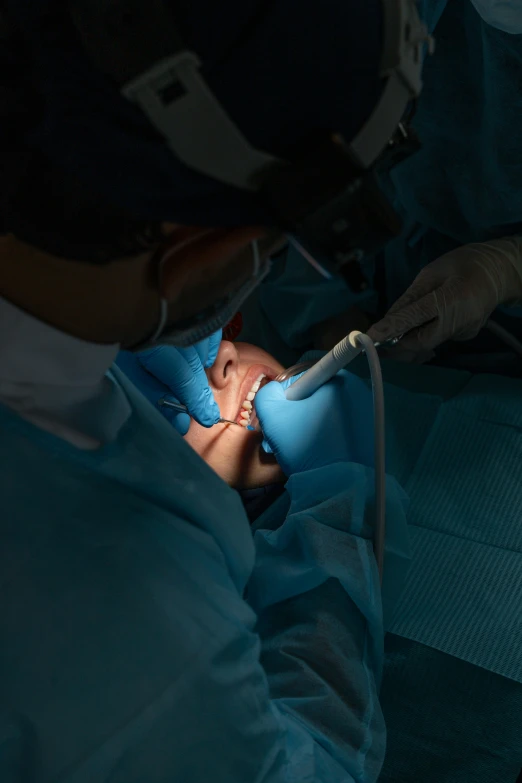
(235, 453)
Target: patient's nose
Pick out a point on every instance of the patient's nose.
(225, 367)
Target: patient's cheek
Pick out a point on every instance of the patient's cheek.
(235, 455)
(198, 437)
(216, 445)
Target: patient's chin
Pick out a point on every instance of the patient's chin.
(267, 459)
(236, 455)
(257, 468)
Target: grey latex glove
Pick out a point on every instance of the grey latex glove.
(453, 297)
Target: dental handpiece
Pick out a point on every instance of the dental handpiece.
(325, 369)
(180, 408)
(388, 343)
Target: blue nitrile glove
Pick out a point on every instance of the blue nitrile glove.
(178, 373)
(335, 424)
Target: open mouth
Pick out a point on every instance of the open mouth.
(257, 377)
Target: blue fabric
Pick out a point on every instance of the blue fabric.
(464, 598)
(459, 465)
(464, 589)
(128, 650)
(256, 501)
(397, 543)
(448, 720)
(280, 75)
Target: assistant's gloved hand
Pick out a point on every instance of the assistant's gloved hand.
(453, 297)
(178, 373)
(335, 424)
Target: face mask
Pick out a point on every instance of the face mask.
(505, 15)
(216, 317)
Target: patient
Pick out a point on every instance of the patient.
(234, 452)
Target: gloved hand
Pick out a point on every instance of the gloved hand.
(453, 297)
(335, 424)
(177, 373)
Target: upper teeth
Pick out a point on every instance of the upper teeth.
(246, 405)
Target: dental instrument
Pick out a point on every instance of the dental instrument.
(180, 408)
(309, 257)
(388, 343)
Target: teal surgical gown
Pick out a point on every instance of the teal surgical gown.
(146, 635)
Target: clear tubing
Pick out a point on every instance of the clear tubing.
(380, 453)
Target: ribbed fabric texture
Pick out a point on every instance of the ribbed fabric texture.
(459, 457)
